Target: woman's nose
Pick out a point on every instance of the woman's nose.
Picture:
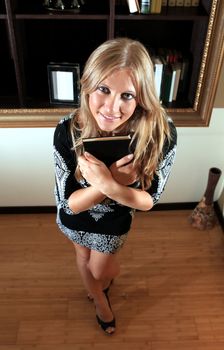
(113, 104)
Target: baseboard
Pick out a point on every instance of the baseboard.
(52, 209)
(175, 206)
(28, 210)
(161, 206)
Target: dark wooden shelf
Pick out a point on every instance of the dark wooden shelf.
(168, 13)
(160, 17)
(64, 16)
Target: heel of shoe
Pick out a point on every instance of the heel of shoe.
(107, 327)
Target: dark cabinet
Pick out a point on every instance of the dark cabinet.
(31, 36)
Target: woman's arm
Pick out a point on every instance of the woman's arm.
(100, 177)
(123, 173)
(131, 197)
(85, 198)
(69, 194)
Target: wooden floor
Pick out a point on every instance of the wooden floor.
(169, 295)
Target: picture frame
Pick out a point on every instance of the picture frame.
(64, 83)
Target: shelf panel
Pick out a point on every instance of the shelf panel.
(167, 13)
(62, 16)
(159, 17)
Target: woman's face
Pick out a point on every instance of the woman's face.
(114, 100)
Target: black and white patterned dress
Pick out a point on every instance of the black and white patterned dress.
(105, 226)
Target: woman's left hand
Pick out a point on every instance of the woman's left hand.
(94, 171)
(123, 170)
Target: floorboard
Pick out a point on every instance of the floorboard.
(169, 295)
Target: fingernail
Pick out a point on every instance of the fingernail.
(130, 156)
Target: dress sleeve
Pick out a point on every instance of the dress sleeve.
(164, 167)
(64, 166)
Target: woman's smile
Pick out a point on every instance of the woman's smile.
(114, 100)
(108, 117)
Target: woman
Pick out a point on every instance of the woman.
(96, 203)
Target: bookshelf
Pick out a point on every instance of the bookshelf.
(32, 36)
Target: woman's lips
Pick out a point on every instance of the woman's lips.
(108, 117)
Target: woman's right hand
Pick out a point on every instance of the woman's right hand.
(123, 170)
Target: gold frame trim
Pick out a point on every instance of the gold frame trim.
(205, 54)
(199, 115)
(38, 117)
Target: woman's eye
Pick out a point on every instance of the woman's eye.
(103, 89)
(127, 96)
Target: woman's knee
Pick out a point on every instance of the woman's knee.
(103, 266)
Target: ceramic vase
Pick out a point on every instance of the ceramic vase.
(203, 216)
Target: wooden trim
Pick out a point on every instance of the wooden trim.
(174, 206)
(52, 209)
(31, 118)
(158, 207)
(28, 210)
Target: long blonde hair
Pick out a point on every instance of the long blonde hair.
(148, 122)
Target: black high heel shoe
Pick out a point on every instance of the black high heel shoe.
(106, 326)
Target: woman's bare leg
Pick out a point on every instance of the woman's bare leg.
(97, 269)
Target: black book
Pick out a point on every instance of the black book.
(108, 149)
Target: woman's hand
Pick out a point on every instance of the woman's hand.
(107, 180)
(123, 171)
(94, 171)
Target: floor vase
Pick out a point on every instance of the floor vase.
(203, 216)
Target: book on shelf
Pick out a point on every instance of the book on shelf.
(156, 6)
(179, 3)
(166, 82)
(145, 6)
(176, 70)
(171, 3)
(176, 67)
(108, 149)
(187, 3)
(133, 6)
(195, 3)
(158, 73)
(171, 73)
(174, 75)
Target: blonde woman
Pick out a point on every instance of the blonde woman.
(95, 203)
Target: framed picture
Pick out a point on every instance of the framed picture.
(64, 83)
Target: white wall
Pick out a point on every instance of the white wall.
(198, 150)
(26, 164)
(26, 167)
